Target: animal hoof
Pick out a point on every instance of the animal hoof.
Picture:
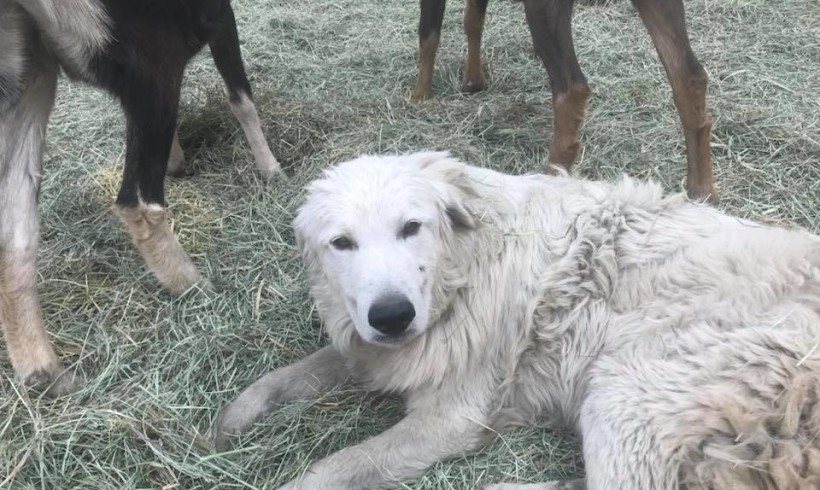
(177, 172)
(473, 85)
(54, 383)
(421, 94)
(557, 169)
(269, 168)
(273, 173)
(709, 195)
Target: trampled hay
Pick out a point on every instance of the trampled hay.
(331, 80)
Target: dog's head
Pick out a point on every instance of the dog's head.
(378, 235)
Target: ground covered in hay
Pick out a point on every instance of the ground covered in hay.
(332, 80)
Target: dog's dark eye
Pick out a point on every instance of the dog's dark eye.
(342, 243)
(410, 228)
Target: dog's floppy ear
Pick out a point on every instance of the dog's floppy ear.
(307, 251)
(450, 178)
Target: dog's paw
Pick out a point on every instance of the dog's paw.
(54, 383)
(228, 425)
(236, 418)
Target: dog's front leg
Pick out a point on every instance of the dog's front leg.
(402, 452)
(315, 374)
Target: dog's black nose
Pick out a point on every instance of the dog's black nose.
(391, 315)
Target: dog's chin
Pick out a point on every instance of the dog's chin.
(392, 341)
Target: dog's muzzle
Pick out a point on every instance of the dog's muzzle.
(391, 315)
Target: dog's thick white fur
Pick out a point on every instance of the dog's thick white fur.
(680, 342)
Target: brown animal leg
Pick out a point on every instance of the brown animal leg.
(22, 132)
(569, 109)
(666, 22)
(551, 30)
(473, 27)
(430, 19)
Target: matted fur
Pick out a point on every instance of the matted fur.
(679, 341)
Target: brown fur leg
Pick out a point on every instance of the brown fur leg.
(430, 19)
(473, 27)
(666, 23)
(569, 109)
(551, 30)
(427, 58)
(153, 236)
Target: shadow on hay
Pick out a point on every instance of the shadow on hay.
(208, 130)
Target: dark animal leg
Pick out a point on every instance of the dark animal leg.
(666, 22)
(151, 111)
(474, 14)
(430, 19)
(551, 30)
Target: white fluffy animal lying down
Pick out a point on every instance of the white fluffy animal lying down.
(680, 342)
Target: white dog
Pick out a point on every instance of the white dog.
(681, 343)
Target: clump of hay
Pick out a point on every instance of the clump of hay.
(331, 80)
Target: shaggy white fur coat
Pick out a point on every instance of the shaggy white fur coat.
(680, 342)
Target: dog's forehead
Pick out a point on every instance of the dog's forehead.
(371, 184)
(369, 191)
